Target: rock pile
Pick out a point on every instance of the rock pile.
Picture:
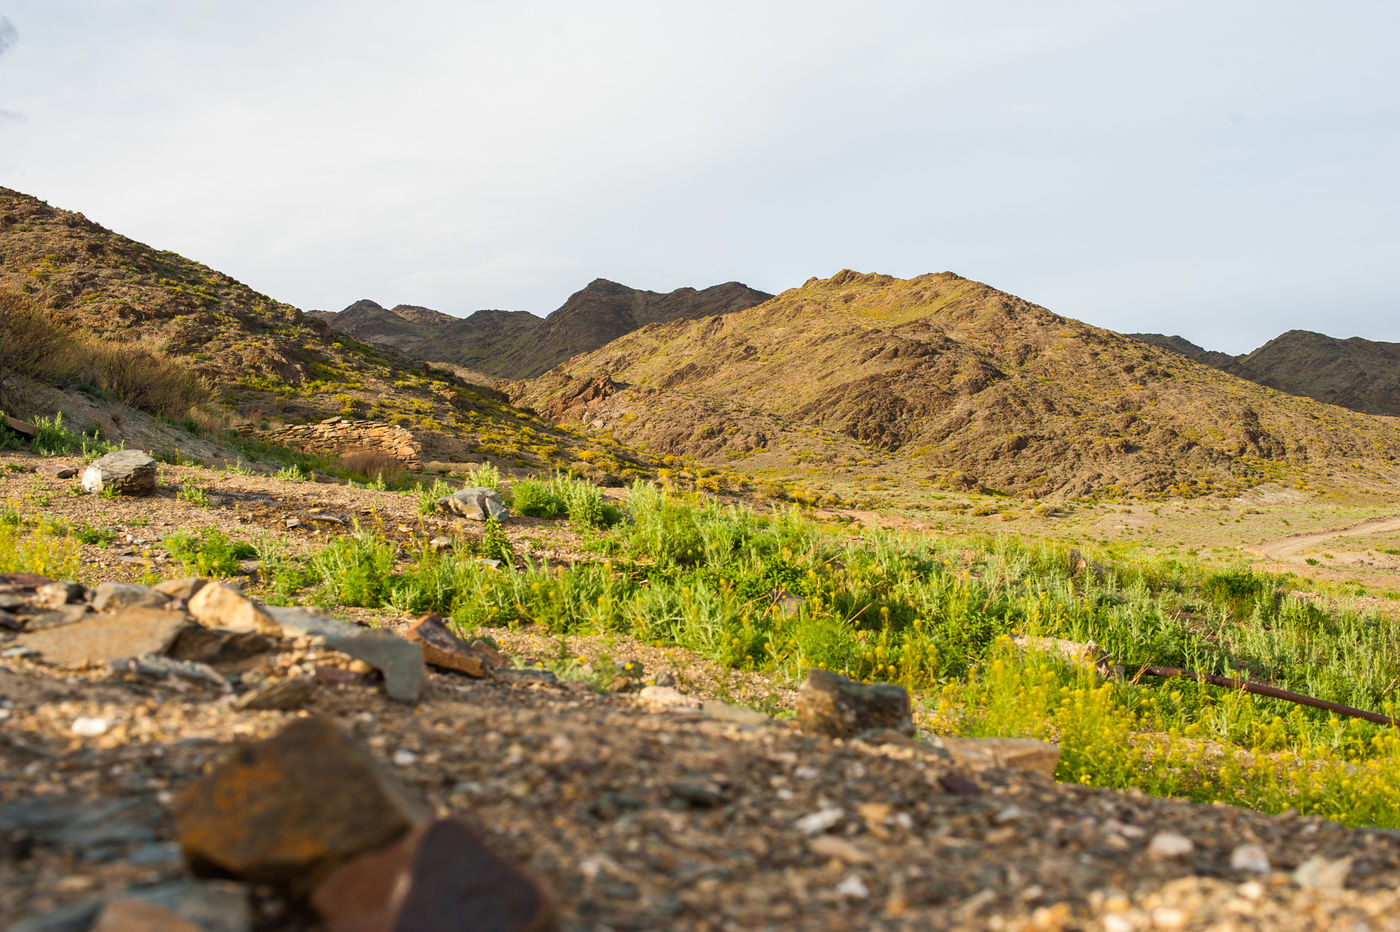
(188, 628)
(338, 436)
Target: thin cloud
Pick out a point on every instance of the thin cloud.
(8, 35)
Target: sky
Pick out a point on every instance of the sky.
(1224, 171)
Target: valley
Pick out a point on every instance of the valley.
(942, 492)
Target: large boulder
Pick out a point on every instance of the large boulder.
(125, 472)
(477, 504)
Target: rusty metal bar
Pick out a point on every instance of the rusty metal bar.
(1263, 689)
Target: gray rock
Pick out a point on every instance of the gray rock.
(215, 906)
(300, 622)
(400, 660)
(99, 639)
(829, 704)
(114, 596)
(95, 830)
(57, 618)
(153, 667)
(125, 472)
(477, 504)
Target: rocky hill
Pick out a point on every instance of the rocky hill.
(1355, 373)
(120, 313)
(981, 387)
(519, 345)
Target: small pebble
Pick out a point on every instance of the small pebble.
(89, 727)
(404, 758)
(1169, 845)
(1250, 858)
(819, 821)
(853, 888)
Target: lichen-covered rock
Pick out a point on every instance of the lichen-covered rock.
(288, 810)
(125, 472)
(829, 704)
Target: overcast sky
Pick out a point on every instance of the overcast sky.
(1225, 171)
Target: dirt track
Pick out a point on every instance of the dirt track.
(1288, 548)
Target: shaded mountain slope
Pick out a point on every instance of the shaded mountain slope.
(1355, 373)
(517, 344)
(262, 361)
(985, 388)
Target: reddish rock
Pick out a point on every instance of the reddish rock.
(442, 877)
(959, 785)
(442, 648)
(288, 810)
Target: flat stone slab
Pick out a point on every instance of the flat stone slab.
(98, 640)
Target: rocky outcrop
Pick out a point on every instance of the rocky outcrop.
(338, 436)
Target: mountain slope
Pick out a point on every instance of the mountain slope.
(517, 344)
(985, 388)
(263, 361)
(1363, 375)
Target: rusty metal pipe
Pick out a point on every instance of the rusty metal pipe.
(1263, 689)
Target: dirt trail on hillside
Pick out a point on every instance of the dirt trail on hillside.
(1288, 548)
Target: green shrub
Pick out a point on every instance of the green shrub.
(535, 499)
(209, 553)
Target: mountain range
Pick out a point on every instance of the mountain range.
(519, 345)
(932, 379)
(1356, 373)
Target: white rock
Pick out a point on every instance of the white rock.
(1251, 858)
(819, 821)
(404, 758)
(853, 888)
(1169, 845)
(1319, 873)
(90, 727)
(668, 699)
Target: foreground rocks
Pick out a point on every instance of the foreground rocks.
(289, 810)
(217, 627)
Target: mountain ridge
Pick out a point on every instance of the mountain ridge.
(985, 388)
(521, 345)
(1351, 372)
